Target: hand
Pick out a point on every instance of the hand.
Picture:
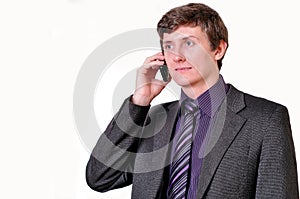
(147, 87)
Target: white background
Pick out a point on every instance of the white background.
(43, 45)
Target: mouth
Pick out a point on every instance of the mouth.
(183, 68)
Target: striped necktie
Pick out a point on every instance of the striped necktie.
(180, 165)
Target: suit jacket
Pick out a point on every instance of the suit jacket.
(249, 154)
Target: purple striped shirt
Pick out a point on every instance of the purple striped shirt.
(208, 102)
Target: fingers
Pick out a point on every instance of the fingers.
(150, 67)
(157, 56)
(147, 86)
(153, 62)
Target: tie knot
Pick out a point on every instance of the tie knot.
(189, 106)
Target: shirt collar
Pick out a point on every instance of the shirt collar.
(211, 99)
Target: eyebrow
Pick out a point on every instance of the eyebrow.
(183, 38)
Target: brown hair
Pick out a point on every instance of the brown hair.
(195, 14)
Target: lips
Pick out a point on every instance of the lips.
(183, 68)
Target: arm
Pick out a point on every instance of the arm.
(277, 171)
(111, 162)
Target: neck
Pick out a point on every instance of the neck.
(195, 90)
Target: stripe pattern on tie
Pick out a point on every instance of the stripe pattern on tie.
(181, 158)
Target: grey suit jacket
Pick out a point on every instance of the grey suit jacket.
(249, 154)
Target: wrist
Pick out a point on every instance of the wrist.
(140, 100)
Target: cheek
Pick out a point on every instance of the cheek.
(169, 59)
(196, 60)
(200, 59)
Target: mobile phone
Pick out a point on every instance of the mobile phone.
(164, 71)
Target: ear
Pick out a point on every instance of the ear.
(221, 49)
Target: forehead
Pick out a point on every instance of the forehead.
(184, 32)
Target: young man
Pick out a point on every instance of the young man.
(214, 142)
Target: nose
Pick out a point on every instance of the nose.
(178, 57)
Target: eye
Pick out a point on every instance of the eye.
(189, 43)
(168, 46)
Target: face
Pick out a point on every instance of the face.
(190, 60)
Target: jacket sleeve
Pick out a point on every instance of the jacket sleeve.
(277, 171)
(111, 163)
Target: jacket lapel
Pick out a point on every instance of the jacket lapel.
(161, 146)
(226, 125)
(162, 139)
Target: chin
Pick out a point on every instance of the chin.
(182, 81)
(185, 81)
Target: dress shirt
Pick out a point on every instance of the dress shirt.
(208, 103)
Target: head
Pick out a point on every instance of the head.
(193, 15)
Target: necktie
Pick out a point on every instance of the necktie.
(180, 166)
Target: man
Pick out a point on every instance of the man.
(214, 142)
